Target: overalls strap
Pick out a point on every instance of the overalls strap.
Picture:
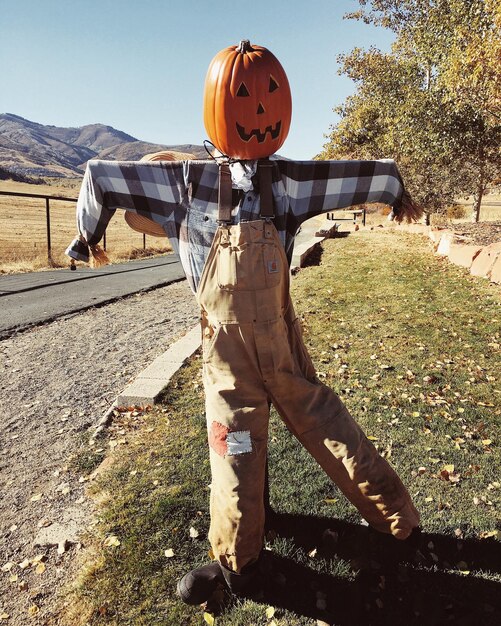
(225, 193)
(265, 168)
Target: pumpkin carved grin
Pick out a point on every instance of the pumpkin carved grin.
(258, 134)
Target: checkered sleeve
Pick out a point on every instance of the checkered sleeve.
(315, 187)
(151, 189)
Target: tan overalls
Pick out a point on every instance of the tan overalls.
(253, 353)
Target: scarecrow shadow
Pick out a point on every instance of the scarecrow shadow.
(314, 257)
(340, 234)
(415, 582)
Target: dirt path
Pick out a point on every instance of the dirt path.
(57, 381)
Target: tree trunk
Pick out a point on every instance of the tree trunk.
(477, 203)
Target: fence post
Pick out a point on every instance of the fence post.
(47, 217)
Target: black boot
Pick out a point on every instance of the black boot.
(247, 583)
(197, 586)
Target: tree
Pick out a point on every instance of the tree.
(430, 103)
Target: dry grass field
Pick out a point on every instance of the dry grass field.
(23, 231)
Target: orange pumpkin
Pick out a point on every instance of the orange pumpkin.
(247, 102)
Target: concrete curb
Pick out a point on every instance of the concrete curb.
(150, 383)
(302, 251)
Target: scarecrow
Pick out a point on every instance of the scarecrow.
(232, 221)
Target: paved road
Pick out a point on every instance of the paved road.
(35, 297)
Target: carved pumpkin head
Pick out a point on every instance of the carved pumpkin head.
(247, 102)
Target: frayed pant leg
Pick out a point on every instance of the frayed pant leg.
(321, 422)
(237, 410)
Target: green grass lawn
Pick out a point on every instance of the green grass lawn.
(412, 344)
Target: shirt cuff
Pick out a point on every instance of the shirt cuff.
(78, 250)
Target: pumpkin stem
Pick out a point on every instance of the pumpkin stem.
(244, 46)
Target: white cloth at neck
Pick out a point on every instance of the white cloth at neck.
(241, 175)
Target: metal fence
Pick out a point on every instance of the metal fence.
(48, 198)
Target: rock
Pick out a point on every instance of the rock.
(496, 271)
(485, 261)
(463, 255)
(435, 234)
(62, 533)
(444, 245)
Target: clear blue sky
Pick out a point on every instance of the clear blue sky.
(139, 65)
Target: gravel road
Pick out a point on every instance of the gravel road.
(57, 380)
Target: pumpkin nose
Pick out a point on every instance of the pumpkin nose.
(260, 109)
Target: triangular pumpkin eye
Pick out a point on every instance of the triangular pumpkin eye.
(243, 92)
(273, 84)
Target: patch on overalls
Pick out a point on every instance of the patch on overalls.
(229, 443)
(272, 267)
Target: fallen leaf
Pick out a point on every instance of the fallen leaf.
(14, 578)
(312, 553)
(209, 619)
(495, 534)
(193, 533)
(37, 559)
(372, 438)
(330, 500)
(112, 541)
(8, 566)
(40, 568)
(4, 616)
(486, 442)
(25, 564)
(36, 498)
(270, 612)
(169, 553)
(428, 499)
(33, 610)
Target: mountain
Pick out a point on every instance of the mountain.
(31, 149)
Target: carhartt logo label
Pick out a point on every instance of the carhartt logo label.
(272, 267)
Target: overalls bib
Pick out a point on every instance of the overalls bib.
(253, 353)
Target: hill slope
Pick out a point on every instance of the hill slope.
(31, 149)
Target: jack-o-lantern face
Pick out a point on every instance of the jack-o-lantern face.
(247, 102)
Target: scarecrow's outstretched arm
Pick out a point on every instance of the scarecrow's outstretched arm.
(316, 187)
(151, 189)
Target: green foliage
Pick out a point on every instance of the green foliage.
(456, 212)
(431, 103)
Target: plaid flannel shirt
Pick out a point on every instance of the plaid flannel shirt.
(182, 196)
